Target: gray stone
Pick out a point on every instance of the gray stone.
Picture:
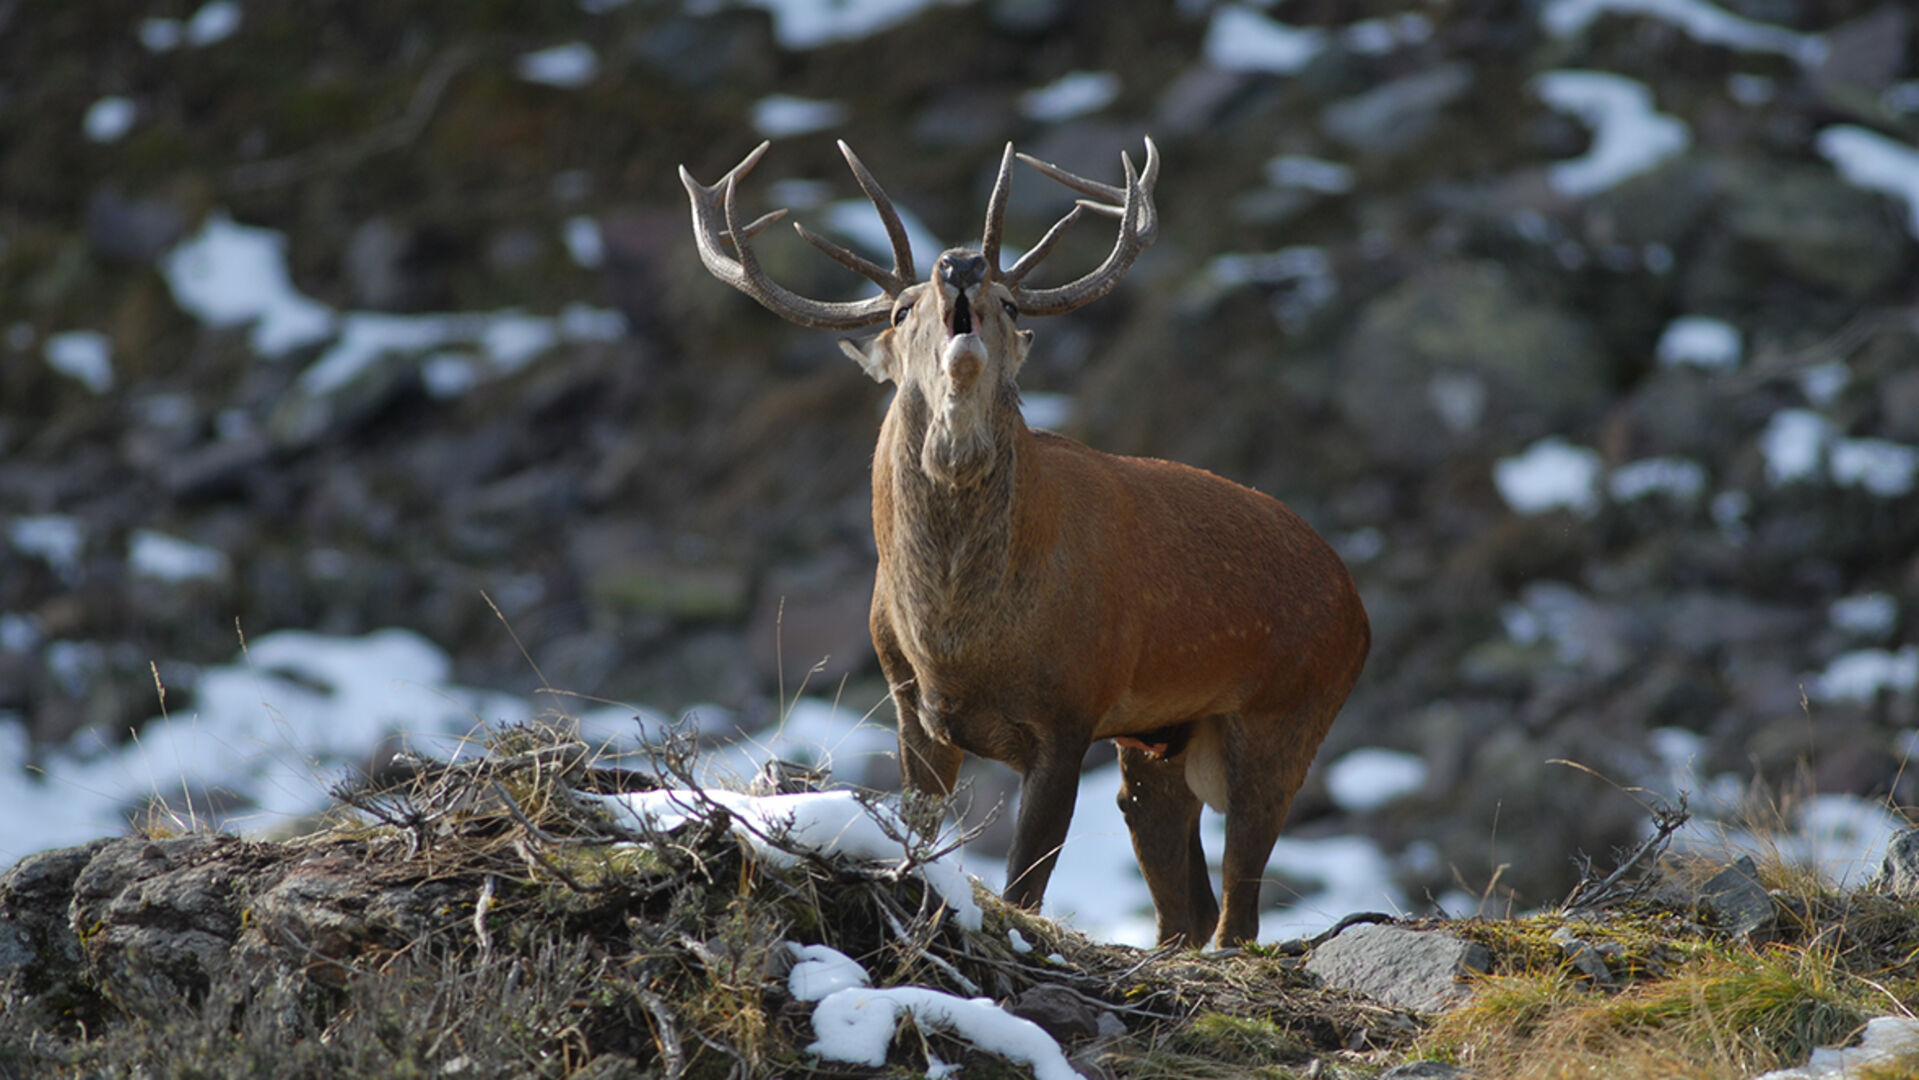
(1427, 1070)
(1536, 364)
(1582, 956)
(1407, 969)
(1398, 116)
(1811, 223)
(1066, 1016)
(1738, 903)
(1898, 875)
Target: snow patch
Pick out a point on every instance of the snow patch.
(823, 821)
(1551, 474)
(1861, 675)
(215, 22)
(568, 66)
(155, 555)
(1044, 410)
(1371, 777)
(1629, 135)
(54, 539)
(82, 355)
(1869, 160)
(1241, 39)
(820, 971)
(781, 116)
(1699, 341)
(1793, 442)
(1076, 93)
(1701, 21)
(109, 119)
(1870, 615)
(1677, 478)
(584, 241)
(858, 1025)
(809, 24)
(231, 275)
(1882, 467)
(1309, 174)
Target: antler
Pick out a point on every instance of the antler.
(1139, 226)
(714, 205)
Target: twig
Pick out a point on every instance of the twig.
(396, 134)
(1666, 821)
(481, 908)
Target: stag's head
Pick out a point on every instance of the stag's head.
(955, 340)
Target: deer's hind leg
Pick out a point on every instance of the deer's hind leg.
(1162, 813)
(1265, 760)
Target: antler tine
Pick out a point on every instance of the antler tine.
(1024, 266)
(866, 268)
(903, 271)
(996, 212)
(1138, 227)
(716, 223)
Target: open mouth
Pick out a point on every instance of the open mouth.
(962, 317)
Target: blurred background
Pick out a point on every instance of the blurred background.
(369, 338)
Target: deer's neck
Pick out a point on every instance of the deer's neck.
(945, 503)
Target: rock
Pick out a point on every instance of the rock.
(1452, 324)
(1898, 875)
(811, 623)
(1066, 1016)
(1806, 222)
(1889, 1047)
(1427, 1070)
(1737, 902)
(1408, 969)
(157, 919)
(648, 585)
(1398, 116)
(37, 942)
(132, 230)
(1585, 959)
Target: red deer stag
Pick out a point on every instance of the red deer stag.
(1034, 595)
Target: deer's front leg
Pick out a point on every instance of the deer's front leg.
(928, 769)
(1047, 791)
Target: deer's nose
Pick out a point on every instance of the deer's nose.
(962, 269)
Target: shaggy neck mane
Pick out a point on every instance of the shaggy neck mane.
(953, 529)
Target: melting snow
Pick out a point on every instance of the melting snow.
(1076, 93)
(1241, 39)
(84, 355)
(1377, 37)
(215, 22)
(857, 1025)
(1859, 676)
(1676, 477)
(55, 539)
(808, 24)
(780, 116)
(1701, 342)
(823, 821)
(1867, 615)
(1551, 474)
(1876, 163)
(231, 275)
(109, 119)
(584, 241)
(1043, 410)
(1701, 21)
(1629, 135)
(1310, 174)
(1371, 777)
(1823, 383)
(821, 970)
(156, 555)
(1882, 467)
(1793, 442)
(161, 35)
(569, 66)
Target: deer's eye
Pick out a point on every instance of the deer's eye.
(900, 313)
(1012, 309)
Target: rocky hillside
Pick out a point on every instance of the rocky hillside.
(1586, 331)
(535, 913)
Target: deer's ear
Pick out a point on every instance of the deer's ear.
(872, 354)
